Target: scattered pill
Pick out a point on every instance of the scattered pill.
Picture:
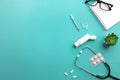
(66, 74)
(74, 77)
(81, 51)
(72, 71)
(99, 55)
(78, 56)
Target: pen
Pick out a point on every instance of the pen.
(76, 25)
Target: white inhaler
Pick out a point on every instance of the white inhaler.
(84, 39)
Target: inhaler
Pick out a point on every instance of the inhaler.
(84, 39)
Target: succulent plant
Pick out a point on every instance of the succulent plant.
(111, 39)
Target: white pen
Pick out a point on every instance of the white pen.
(74, 22)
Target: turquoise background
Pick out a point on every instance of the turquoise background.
(37, 36)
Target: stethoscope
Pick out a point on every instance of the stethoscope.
(106, 75)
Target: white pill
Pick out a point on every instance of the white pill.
(95, 57)
(72, 71)
(94, 63)
(92, 59)
(81, 51)
(99, 55)
(74, 77)
(98, 61)
(101, 59)
(78, 55)
(66, 74)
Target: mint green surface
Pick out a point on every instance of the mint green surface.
(37, 36)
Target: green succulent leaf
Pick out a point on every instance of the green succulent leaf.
(111, 39)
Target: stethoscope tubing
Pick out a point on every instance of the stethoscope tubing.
(108, 74)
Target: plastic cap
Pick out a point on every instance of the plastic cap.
(76, 44)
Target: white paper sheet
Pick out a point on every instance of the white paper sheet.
(108, 18)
